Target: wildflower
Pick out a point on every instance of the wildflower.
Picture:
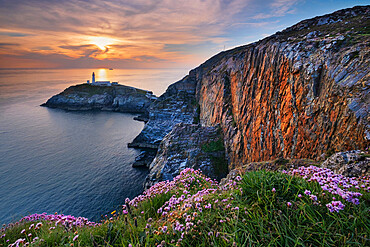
(335, 206)
(307, 192)
(273, 190)
(129, 245)
(23, 231)
(113, 212)
(29, 235)
(75, 238)
(299, 195)
(210, 234)
(289, 204)
(164, 229)
(313, 197)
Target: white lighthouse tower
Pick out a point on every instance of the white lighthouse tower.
(93, 78)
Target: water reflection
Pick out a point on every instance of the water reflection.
(102, 75)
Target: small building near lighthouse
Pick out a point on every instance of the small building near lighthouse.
(98, 83)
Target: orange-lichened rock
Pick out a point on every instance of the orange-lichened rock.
(299, 93)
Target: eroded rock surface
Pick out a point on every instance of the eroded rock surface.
(353, 163)
(189, 146)
(176, 105)
(295, 94)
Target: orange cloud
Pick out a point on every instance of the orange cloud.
(118, 30)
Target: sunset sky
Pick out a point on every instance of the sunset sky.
(141, 33)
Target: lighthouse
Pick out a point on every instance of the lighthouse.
(93, 78)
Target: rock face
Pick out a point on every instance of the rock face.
(114, 98)
(295, 94)
(176, 105)
(350, 164)
(189, 146)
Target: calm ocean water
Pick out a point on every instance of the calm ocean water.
(74, 163)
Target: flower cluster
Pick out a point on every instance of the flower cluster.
(335, 206)
(65, 221)
(335, 184)
(183, 209)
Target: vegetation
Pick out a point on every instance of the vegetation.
(303, 207)
(213, 146)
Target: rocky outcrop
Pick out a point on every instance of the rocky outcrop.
(189, 146)
(176, 105)
(111, 98)
(353, 163)
(295, 94)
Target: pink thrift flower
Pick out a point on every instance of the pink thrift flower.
(75, 238)
(273, 190)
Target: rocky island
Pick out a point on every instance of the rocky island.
(118, 98)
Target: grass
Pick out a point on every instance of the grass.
(257, 209)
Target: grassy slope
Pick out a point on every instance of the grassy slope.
(244, 212)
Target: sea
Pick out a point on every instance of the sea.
(69, 162)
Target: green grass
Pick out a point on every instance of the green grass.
(263, 218)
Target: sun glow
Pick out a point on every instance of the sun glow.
(102, 75)
(102, 42)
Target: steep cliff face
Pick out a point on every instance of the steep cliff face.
(176, 105)
(189, 146)
(299, 93)
(112, 98)
(296, 94)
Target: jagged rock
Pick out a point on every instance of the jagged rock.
(350, 164)
(144, 159)
(114, 98)
(292, 98)
(284, 96)
(176, 105)
(189, 146)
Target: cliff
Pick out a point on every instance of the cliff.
(111, 98)
(300, 93)
(177, 105)
(192, 146)
(296, 94)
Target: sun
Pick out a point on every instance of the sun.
(102, 42)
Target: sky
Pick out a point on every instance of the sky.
(141, 33)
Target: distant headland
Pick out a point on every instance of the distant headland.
(103, 95)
